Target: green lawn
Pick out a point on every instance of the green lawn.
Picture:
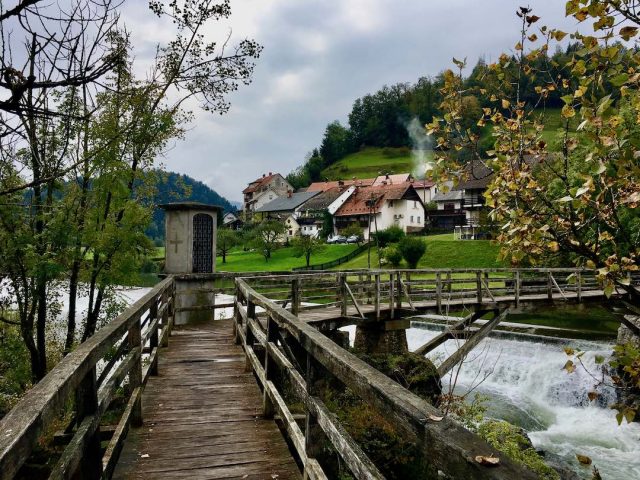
(282, 259)
(369, 162)
(444, 252)
(590, 317)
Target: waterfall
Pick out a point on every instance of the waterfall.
(526, 385)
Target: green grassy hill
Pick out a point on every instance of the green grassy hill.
(370, 161)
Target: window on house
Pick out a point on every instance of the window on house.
(418, 220)
(290, 232)
(411, 218)
(415, 204)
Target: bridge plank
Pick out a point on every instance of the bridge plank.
(203, 416)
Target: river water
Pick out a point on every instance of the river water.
(526, 385)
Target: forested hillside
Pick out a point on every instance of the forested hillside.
(175, 187)
(386, 118)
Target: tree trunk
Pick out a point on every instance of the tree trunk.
(41, 323)
(73, 293)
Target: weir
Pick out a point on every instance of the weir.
(215, 398)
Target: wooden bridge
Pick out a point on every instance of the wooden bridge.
(242, 397)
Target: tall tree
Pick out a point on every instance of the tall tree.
(76, 152)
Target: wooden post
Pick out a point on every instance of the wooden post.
(248, 335)
(153, 340)
(87, 406)
(439, 293)
(165, 319)
(399, 290)
(237, 318)
(343, 295)
(172, 307)
(479, 286)
(377, 296)
(448, 282)
(517, 288)
(295, 296)
(135, 375)
(579, 285)
(313, 443)
(269, 367)
(486, 282)
(549, 286)
(391, 296)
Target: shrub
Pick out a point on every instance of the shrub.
(388, 235)
(391, 255)
(412, 249)
(353, 229)
(513, 442)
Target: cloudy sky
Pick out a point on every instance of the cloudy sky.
(319, 56)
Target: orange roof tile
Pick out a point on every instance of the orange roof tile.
(324, 186)
(253, 186)
(360, 202)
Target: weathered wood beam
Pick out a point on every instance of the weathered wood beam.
(448, 333)
(470, 343)
(353, 299)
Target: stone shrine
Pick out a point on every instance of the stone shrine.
(190, 248)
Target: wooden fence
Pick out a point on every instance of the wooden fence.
(336, 262)
(89, 379)
(298, 353)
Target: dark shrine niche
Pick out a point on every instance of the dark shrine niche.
(202, 243)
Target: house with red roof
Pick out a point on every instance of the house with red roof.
(262, 191)
(378, 207)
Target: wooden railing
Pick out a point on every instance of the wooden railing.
(433, 289)
(281, 349)
(120, 356)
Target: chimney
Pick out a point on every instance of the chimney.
(270, 173)
(340, 183)
(289, 192)
(264, 175)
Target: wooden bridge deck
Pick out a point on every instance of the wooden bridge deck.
(203, 416)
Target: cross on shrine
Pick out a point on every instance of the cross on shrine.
(175, 242)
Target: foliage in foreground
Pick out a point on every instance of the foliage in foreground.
(512, 441)
(584, 199)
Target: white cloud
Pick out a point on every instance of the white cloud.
(319, 56)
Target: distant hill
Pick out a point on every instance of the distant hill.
(369, 162)
(175, 187)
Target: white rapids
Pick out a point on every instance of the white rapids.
(526, 385)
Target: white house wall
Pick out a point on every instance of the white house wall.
(264, 198)
(390, 216)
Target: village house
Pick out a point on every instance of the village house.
(378, 207)
(262, 191)
(231, 221)
(448, 213)
(464, 203)
(426, 190)
(285, 208)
